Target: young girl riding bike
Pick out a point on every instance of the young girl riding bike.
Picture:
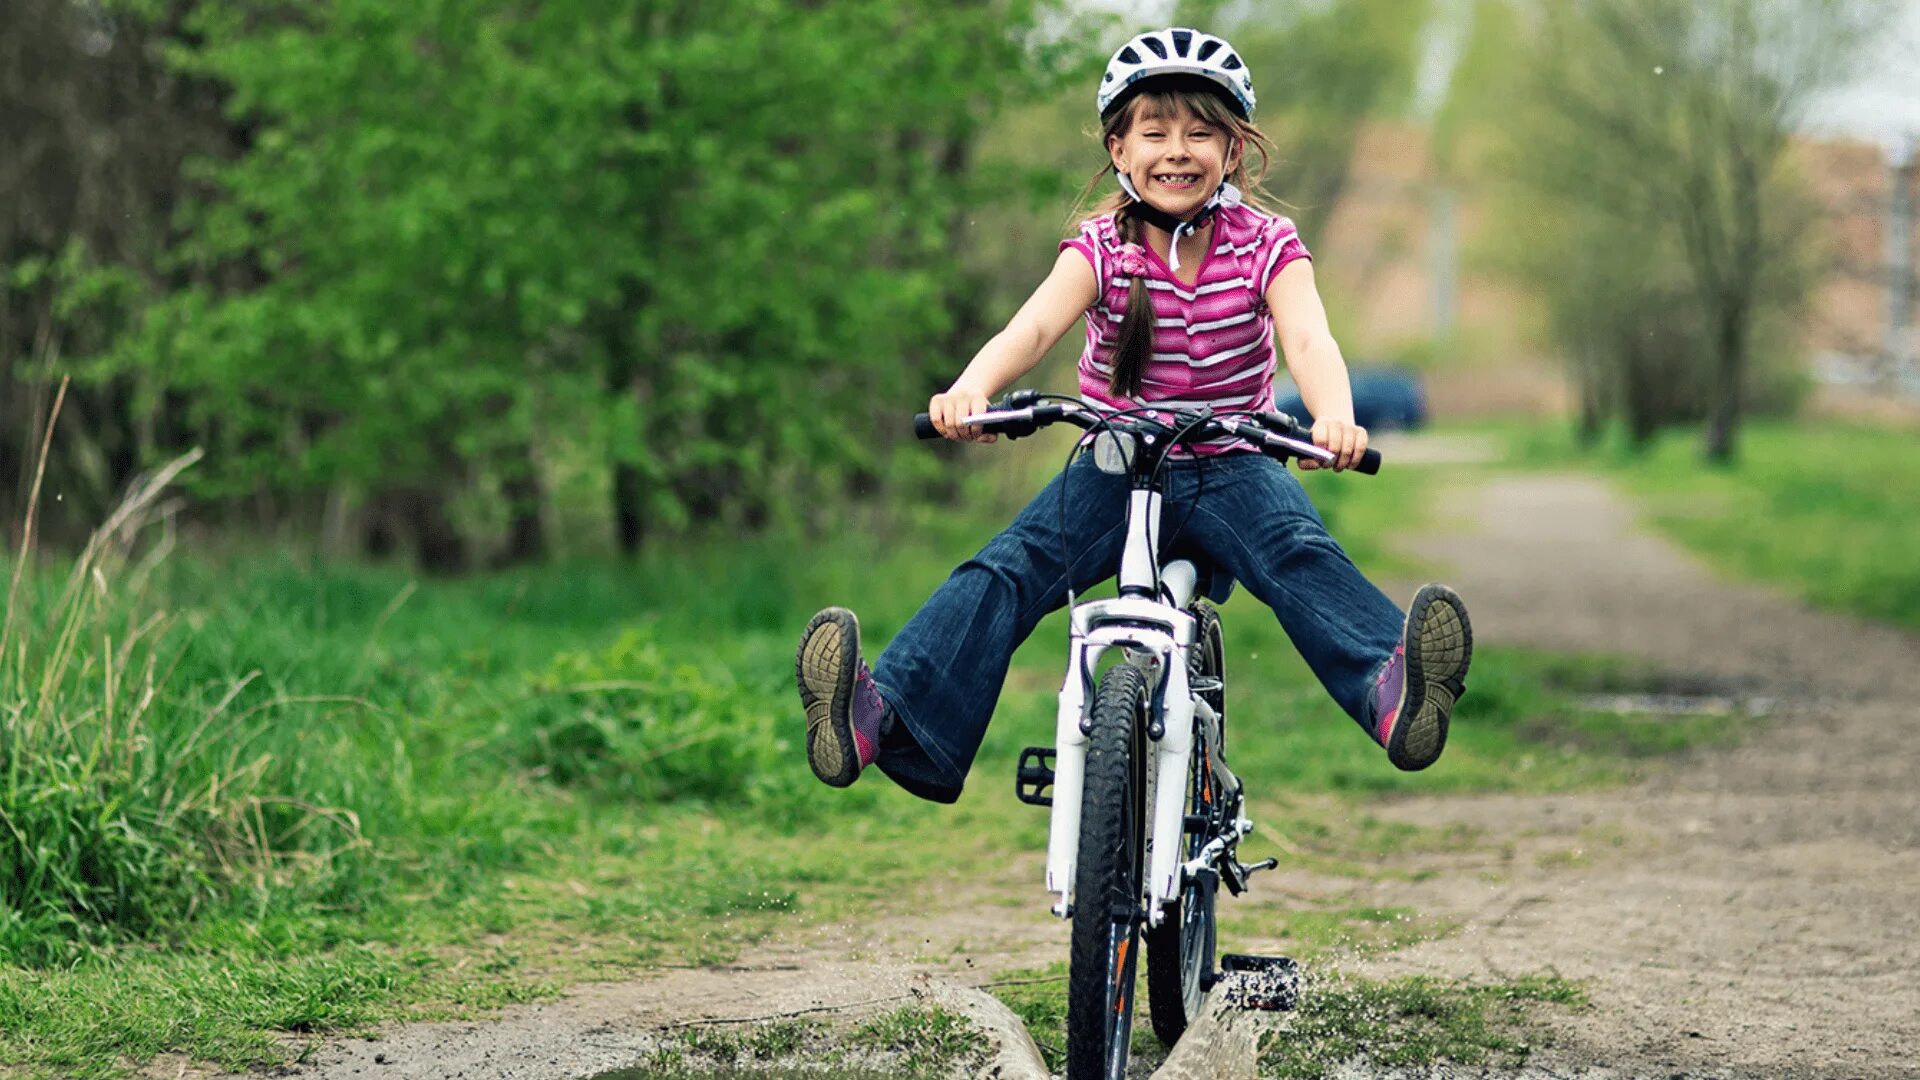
(1186, 280)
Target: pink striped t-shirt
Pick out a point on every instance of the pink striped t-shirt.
(1212, 341)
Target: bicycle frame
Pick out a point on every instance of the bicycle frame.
(1149, 620)
(1158, 634)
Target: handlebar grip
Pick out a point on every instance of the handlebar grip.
(923, 427)
(1369, 463)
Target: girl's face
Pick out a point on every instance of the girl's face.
(1175, 157)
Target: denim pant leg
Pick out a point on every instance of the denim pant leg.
(1254, 518)
(943, 672)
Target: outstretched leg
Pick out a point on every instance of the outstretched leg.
(924, 706)
(1379, 665)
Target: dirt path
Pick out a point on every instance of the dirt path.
(1746, 913)
(1753, 912)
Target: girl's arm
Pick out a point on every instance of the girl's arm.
(1066, 294)
(1313, 359)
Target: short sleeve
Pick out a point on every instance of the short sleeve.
(1087, 243)
(1279, 245)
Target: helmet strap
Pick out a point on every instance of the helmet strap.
(1225, 195)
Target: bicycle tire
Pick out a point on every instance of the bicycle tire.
(1106, 927)
(1180, 950)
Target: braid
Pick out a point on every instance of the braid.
(1135, 346)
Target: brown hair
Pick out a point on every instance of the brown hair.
(1135, 342)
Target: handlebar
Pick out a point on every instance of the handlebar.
(1274, 434)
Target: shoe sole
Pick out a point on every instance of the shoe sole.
(1439, 648)
(824, 667)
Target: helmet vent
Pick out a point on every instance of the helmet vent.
(1153, 45)
(1231, 63)
(1207, 48)
(1182, 41)
(1129, 55)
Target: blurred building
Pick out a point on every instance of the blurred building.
(1398, 261)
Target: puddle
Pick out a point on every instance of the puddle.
(1677, 704)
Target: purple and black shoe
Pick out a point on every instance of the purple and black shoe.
(844, 708)
(1414, 695)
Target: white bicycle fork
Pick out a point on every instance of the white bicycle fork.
(1156, 633)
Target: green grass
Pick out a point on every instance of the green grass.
(353, 795)
(915, 1042)
(1827, 510)
(1409, 1023)
(1405, 1022)
(1039, 998)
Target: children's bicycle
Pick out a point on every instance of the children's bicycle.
(1146, 815)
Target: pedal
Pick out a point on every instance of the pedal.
(1036, 776)
(1264, 983)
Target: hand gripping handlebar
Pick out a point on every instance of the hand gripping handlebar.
(1275, 434)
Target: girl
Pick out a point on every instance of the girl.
(1186, 281)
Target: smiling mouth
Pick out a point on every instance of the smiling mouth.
(1177, 179)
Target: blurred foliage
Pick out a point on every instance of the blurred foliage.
(1321, 70)
(634, 722)
(1640, 146)
(449, 279)
(464, 241)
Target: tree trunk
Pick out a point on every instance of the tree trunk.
(526, 499)
(13, 426)
(1639, 391)
(437, 544)
(1729, 383)
(1588, 378)
(629, 519)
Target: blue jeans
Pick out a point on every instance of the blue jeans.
(1244, 512)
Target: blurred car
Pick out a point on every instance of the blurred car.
(1384, 398)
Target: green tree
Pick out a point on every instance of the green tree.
(1654, 134)
(679, 238)
(95, 128)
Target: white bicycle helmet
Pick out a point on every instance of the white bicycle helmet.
(1176, 51)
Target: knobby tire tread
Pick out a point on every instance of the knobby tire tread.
(1105, 872)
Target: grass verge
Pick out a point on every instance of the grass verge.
(919, 1042)
(1409, 1023)
(1406, 1022)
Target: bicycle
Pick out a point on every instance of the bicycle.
(1137, 844)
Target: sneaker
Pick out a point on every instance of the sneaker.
(1427, 673)
(844, 708)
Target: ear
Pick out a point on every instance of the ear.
(1114, 143)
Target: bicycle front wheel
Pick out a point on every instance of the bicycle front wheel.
(1107, 881)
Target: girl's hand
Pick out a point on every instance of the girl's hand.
(948, 409)
(1345, 439)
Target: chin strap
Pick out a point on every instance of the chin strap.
(1226, 195)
